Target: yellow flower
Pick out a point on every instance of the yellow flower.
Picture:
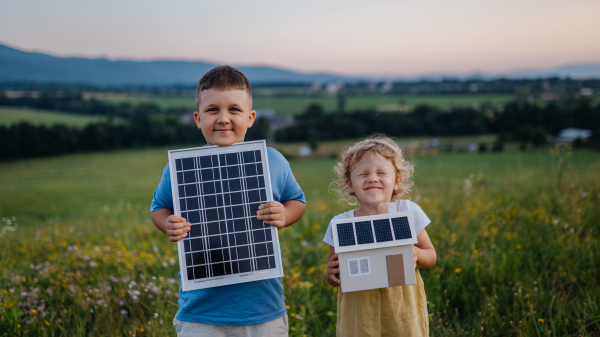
(311, 270)
(287, 307)
(48, 324)
(475, 251)
(458, 270)
(541, 320)
(293, 314)
(33, 310)
(519, 246)
(293, 329)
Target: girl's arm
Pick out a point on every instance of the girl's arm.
(333, 269)
(424, 251)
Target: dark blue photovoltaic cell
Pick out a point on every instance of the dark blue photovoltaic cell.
(364, 234)
(345, 234)
(383, 231)
(401, 228)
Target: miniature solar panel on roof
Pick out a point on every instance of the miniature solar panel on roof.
(345, 234)
(364, 233)
(219, 194)
(401, 228)
(383, 231)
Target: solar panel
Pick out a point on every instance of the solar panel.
(218, 190)
(383, 231)
(373, 231)
(364, 233)
(346, 234)
(401, 228)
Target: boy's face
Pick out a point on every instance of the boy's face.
(224, 116)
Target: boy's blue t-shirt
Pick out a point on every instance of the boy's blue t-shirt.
(244, 303)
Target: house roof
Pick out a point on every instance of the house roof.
(374, 231)
(570, 134)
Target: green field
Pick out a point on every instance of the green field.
(295, 104)
(9, 116)
(516, 236)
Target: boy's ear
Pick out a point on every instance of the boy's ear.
(251, 118)
(197, 119)
(350, 188)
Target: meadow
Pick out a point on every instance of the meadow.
(516, 235)
(9, 116)
(296, 104)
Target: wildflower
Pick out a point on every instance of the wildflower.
(33, 311)
(541, 320)
(121, 303)
(519, 246)
(287, 307)
(124, 312)
(300, 318)
(475, 251)
(11, 291)
(458, 270)
(156, 315)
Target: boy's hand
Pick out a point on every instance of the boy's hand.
(415, 254)
(272, 213)
(177, 228)
(333, 269)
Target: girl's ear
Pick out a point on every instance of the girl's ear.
(398, 181)
(349, 183)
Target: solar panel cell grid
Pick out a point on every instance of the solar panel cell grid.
(383, 231)
(364, 233)
(401, 228)
(219, 195)
(345, 234)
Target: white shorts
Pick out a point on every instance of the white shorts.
(276, 328)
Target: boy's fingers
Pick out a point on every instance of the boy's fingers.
(334, 278)
(175, 218)
(178, 225)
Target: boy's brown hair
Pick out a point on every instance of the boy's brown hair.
(224, 78)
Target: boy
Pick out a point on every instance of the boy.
(224, 103)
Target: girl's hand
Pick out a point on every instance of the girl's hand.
(415, 254)
(333, 270)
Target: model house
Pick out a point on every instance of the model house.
(375, 251)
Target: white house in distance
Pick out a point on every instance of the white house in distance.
(375, 251)
(569, 135)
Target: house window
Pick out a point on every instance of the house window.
(359, 267)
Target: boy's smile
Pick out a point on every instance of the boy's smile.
(373, 180)
(224, 116)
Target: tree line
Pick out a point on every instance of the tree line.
(518, 121)
(25, 140)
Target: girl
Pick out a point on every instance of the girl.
(374, 172)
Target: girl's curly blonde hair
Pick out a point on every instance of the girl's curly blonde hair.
(376, 143)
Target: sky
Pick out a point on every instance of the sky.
(402, 37)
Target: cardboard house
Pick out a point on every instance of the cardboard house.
(375, 251)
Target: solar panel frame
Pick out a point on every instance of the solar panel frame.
(377, 244)
(219, 218)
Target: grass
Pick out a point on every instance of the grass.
(516, 236)
(296, 104)
(9, 116)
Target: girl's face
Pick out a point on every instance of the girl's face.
(373, 180)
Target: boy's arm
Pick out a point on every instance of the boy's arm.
(174, 226)
(281, 215)
(424, 252)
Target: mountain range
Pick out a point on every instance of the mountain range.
(17, 66)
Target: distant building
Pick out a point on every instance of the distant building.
(275, 121)
(569, 135)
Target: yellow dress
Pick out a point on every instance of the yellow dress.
(394, 311)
